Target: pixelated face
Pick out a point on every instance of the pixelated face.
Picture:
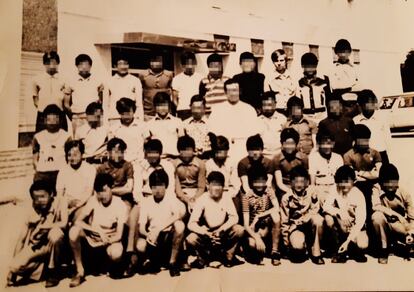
(105, 195)
(215, 68)
(289, 146)
(158, 192)
(51, 67)
(309, 70)
(259, 184)
(255, 154)
(281, 63)
(162, 109)
(268, 107)
(116, 154)
(335, 108)
(189, 66)
(52, 122)
(344, 186)
(362, 143)
(153, 157)
(127, 117)
(296, 113)
(233, 93)
(74, 156)
(248, 65)
(221, 155)
(84, 68)
(326, 146)
(122, 66)
(370, 106)
(390, 186)
(156, 64)
(215, 190)
(198, 110)
(187, 154)
(41, 200)
(343, 56)
(94, 120)
(299, 184)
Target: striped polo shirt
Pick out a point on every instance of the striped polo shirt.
(213, 91)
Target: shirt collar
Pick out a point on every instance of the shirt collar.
(303, 120)
(117, 76)
(168, 117)
(155, 74)
(297, 156)
(361, 117)
(54, 76)
(80, 78)
(278, 75)
(202, 121)
(192, 162)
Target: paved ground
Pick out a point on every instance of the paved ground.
(397, 275)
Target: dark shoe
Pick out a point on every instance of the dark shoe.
(383, 257)
(76, 281)
(275, 256)
(132, 265)
(174, 271)
(52, 279)
(359, 257)
(185, 267)
(232, 263)
(339, 258)
(317, 260)
(199, 263)
(151, 268)
(11, 280)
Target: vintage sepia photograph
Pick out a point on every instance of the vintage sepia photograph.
(206, 146)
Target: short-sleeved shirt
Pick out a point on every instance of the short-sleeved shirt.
(341, 129)
(93, 138)
(380, 130)
(153, 83)
(306, 128)
(104, 217)
(229, 171)
(188, 174)
(49, 89)
(314, 92)
(401, 203)
(246, 163)
(198, 130)
(283, 85)
(324, 169)
(120, 173)
(362, 162)
(251, 87)
(343, 76)
(84, 91)
(186, 86)
(270, 133)
(213, 91)
(285, 165)
(254, 204)
(145, 169)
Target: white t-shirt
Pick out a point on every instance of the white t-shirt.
(270, 132)
(49, 89)
(187, 86)
(323, 169)
(93, 139)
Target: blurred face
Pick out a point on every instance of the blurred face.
(362, 144)
(41, 200)
(198, 110)
(215, 69)
(296, 113)
(52, 122)
(162, 109)
(189, 66)
(153, 157)
(156, 64)
(268, 107)
(255, 154)
(326, 146)
(248, 65)
(216, 190)
(259, 185)
(158, 192)
(105, 195)
(74, 157)
(233, 93)
(127, 117)
(345, 186)
(289, 146)
(343, 56)
(221, 155)
(299, 184)
(309, 71)
(122, 67)
(335, 108)
(187, 154)
(281, 64)
(369, 107)
(84, 68)
(52, 67)
(94, 120)
(390, 186)
(116, 154)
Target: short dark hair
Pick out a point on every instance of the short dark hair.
(289, 133)
(218, 142)
(197, 98)
(255, 172)
(254, 142)
(246, 56)
(335, 96)
(361, 131)
(276, 54)
(121, 57)
(116, 142)
(345, 172)
(101, 180)
(324, 134)
(228, 82)
(187, 56)
(216, 176)
(388, 172)
(342, 45)
(298, 171)
(83, 58)
(125, 104)
(294, 101)
(74, 144)
(93, 107)
(214, 58)
(366, 95)
(268, 95)
(161, 98)
(309, 59)
(185, 142)
(155, 54)
(41, 185)
(158, 177)
(48, 56)
(154, 145)
(52, 109)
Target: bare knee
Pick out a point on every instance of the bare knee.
(297, 240)
(329, 221)
(141, 245)
(317, 220)
(362, 241)
(179, 227)
(192, 239)
(115, 251)
(378, 219)
(75, 233)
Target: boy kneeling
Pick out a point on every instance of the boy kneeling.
(160, 226)
(214, 227)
